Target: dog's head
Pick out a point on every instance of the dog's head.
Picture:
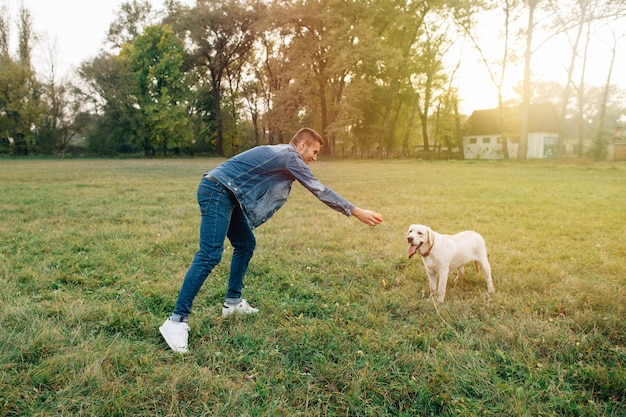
(418, 235)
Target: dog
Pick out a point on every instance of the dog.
(442, 253)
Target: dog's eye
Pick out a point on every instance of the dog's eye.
(419, 233)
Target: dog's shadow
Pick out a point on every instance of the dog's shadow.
(467, 281)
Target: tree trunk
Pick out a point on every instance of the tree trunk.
(524, 108)
(327, 150)
(570, 72)
(600, 147)
(581, 98)
(457, 130)
(217, 104)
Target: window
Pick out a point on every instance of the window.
(472, 141)
(486, 140)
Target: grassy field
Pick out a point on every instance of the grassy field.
(92, 254)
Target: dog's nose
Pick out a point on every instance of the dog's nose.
(409, 239)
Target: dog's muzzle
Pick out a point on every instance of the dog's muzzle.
(413, 249)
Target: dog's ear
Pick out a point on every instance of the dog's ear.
(431, 236)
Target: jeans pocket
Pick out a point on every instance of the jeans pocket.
(210, 194)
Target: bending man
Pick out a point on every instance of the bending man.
(239, 195)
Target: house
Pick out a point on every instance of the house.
(487, 133)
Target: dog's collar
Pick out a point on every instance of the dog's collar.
(425, 254)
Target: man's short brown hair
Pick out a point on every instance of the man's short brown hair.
(307, 134)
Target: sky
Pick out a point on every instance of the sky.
(548, 63)
(75, 30)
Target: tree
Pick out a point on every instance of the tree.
(328, 42)
(430, 78)
(582, 18)
(496, 68)
(599, 150)
(526, 89)
(4, 31)
(160, 88)
(580, 27)
(578, 23)
(406, 39)
(447, 123)
(272, 96)
(60, 120)
(19, 89)
(131, 18)
(110, 87)
(401, 74)
(222, 34)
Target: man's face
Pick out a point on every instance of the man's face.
(309, 152)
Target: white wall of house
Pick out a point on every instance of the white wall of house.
(540, 145)
(482, 147)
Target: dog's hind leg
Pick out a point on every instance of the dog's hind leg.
(460, 273)
(484, 263)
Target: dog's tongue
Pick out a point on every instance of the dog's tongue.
(412, 250)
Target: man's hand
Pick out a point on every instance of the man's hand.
(369, 217)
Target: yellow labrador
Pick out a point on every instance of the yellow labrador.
(442, 253)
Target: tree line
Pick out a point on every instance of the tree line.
(373, 76)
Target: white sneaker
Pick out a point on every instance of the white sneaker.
(176, 334)
(242, 308)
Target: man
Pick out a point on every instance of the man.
(236, 197)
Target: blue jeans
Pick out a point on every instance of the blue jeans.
(221, 217)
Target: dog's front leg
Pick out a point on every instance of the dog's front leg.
(443, 282)
(432, 282)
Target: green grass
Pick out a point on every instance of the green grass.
(92, 254)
